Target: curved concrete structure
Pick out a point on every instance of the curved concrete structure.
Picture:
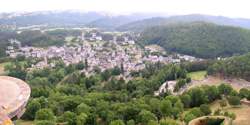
(14, 95)
(201, 120)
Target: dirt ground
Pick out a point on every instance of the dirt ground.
(211, 80)
(22, 122)
(242, 113)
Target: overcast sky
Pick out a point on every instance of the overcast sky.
(230, 8)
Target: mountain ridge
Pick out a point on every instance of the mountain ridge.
(126, 22)
(220, 20)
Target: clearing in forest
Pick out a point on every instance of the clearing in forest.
(199, 75)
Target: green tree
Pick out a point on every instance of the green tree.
(248, 97)
(192, 114)
(186, 100)
(106, 75)
(152, 122)
(38, 92)
(166, 108)
(198, 96)
(168, 121)
(83, 108)
(32, 107)
(196, 112)
(230, 115)
(244, 93)
(45, 114)
(117, 122)
(234, 100)
(180, 83)
(155, 103)
(212, 93)
(145, 116)
(172, 98)
(69, 117)
(16, 69)
(130, 122)
(81, 119)
(116, 71)
(205, 109)
(177, 109)
(80, 66)
(188, 117)
(86, 64)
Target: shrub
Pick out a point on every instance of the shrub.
(205, 109)
(234, 100)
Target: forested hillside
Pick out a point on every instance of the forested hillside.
(63, 95)
(45, 39)
(159, 21)
(199, 39)
(238, 67)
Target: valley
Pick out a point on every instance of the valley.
(89, 68)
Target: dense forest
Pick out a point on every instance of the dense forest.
(238, 66)
(199, 39)
(45, 39)
(65, 95)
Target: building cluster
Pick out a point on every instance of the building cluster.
(95, 35)
(95, 52)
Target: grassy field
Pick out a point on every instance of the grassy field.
(22, 122)
(242, 113)
(199, 75)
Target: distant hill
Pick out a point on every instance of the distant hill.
(143, 24)
(200, 39)
(112, 22)
(130, 22)
(156, 21)
(50, 18)
(72, 18)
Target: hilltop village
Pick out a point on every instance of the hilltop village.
(92, 49)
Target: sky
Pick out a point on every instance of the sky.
(229, 8)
